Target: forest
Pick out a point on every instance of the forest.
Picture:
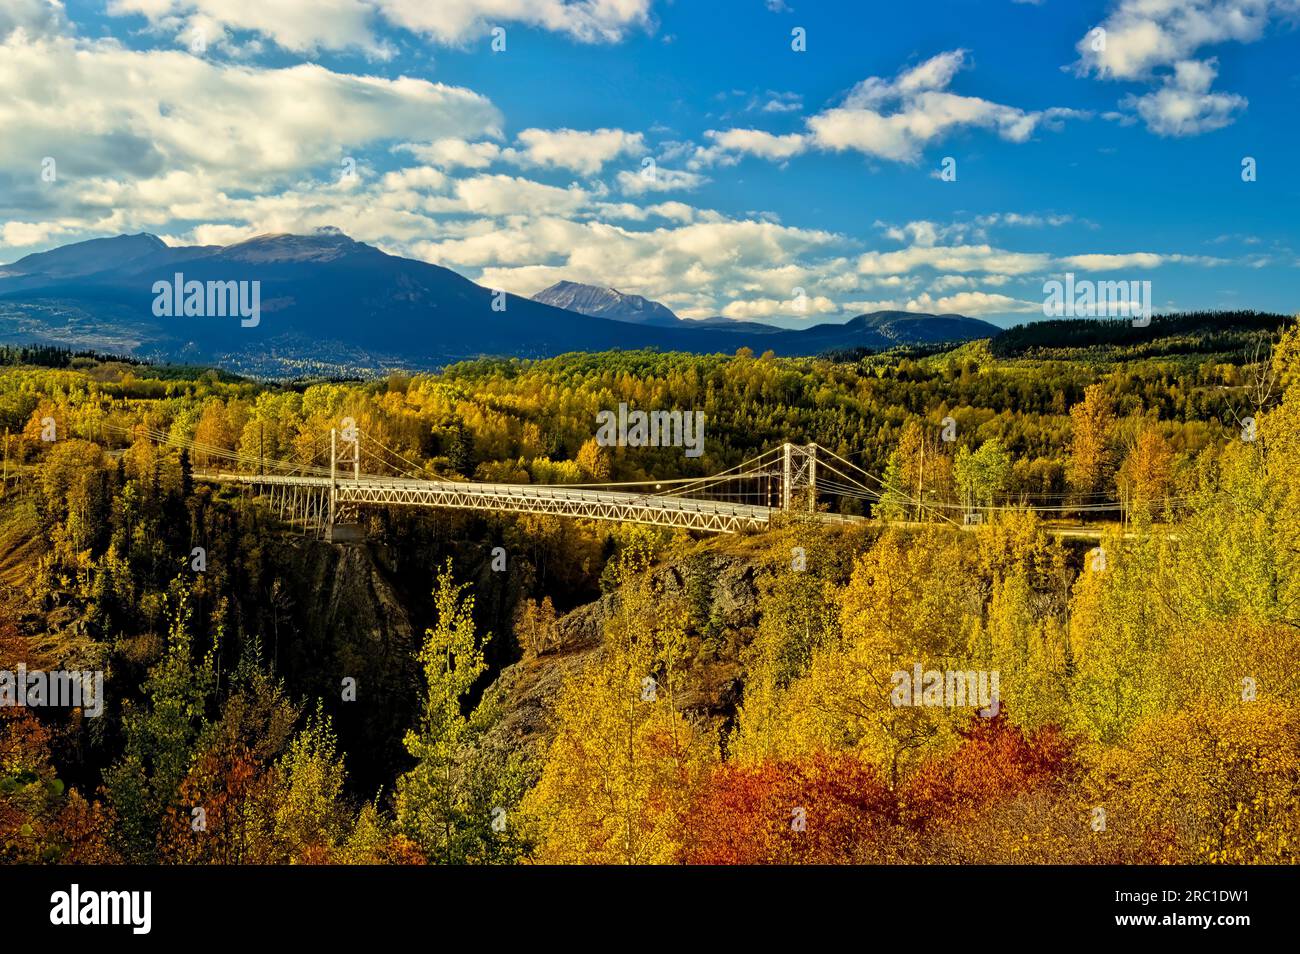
(616, 694)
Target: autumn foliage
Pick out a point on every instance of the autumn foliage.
(827, 809)
(619, 695)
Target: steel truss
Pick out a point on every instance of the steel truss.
(706, 515)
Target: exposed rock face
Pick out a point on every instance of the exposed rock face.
(344, 618)
(729, 585)
(359, 600)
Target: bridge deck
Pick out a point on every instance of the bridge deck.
(655, 510)
(664, 511)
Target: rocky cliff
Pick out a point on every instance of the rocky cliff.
(722, 586)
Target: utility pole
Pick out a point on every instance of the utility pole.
(6, 473)
(261, 448)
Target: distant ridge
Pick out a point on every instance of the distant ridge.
(87, 258)
(1202, 331)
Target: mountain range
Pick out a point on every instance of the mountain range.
(328, 304)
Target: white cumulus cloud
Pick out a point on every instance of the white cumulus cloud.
(729, 144)
(1184, 105)
(896, 118)
(302, 25)
(33, 17)
(292, 24)
(1158, 41)
(805, 307)
(456, 21)
(103, 109)
(658, 179)
(581, 151)
(453, 153)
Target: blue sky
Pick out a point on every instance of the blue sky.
(787, 185)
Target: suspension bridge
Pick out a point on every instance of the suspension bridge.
(745, 497)
(804, 479)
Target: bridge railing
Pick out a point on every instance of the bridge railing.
(724, 516)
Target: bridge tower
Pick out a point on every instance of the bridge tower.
(339, 527)
(798, 471)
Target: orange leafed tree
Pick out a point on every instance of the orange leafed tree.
(995, 760)
(828, 808)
